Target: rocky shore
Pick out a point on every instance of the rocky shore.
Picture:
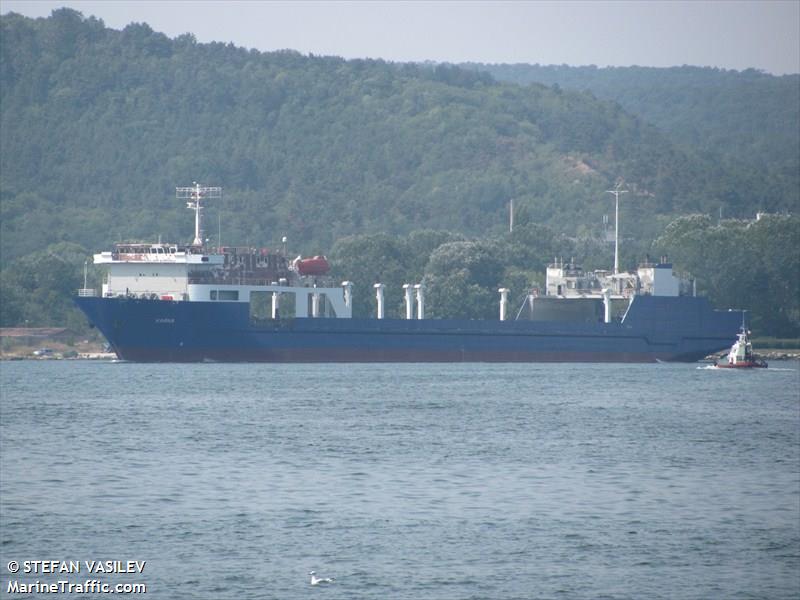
(766, 354)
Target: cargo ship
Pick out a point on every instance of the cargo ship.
(165, 302)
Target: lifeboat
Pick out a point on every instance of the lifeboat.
(317, 265)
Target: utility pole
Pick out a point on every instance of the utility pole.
(616, 191)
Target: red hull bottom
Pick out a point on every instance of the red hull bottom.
(376, 356)
(746, 365)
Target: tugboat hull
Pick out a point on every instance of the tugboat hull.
(759, 364)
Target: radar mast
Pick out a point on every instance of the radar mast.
(195, 195)
(616, 191)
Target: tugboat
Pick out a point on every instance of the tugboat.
(741, 354)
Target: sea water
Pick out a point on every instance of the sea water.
(234, 481)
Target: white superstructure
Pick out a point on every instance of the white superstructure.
(196, 273)
(162, 270)
(569, 280)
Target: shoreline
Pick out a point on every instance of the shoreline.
(769, 355)
(80, 356)
(55, 347)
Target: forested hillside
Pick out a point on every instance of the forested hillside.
(748, 119)
(413, 163)
(99, 125)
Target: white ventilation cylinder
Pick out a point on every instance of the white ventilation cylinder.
(379, 298)
(420, 289)
(503, 303)
(409, 300)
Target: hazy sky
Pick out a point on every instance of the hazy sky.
(728, 34)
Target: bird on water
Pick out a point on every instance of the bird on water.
(318, 580)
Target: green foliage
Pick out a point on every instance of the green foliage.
(99, 125)
(38, 288)
(750, 120)
(532, 246)
(776, 343)
(369, 259)
(455, 296)
(461, 276)
(478, 261)
(421, 245)
(462, 280)
(753, 265)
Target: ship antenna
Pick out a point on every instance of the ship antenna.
(195, 195)
(616, 191)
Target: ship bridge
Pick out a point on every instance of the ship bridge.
(154, 270)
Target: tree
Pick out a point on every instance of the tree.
(38, 288)
(752, 265)
(366, 260)
(462, 278)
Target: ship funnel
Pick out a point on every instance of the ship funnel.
(420, 300)
(503, 303)
(409, 300)
(347, 286)
(379, 298)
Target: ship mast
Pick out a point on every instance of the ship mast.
(195, 195)
(616, 191)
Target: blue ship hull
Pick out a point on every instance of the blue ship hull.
(654, 329)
